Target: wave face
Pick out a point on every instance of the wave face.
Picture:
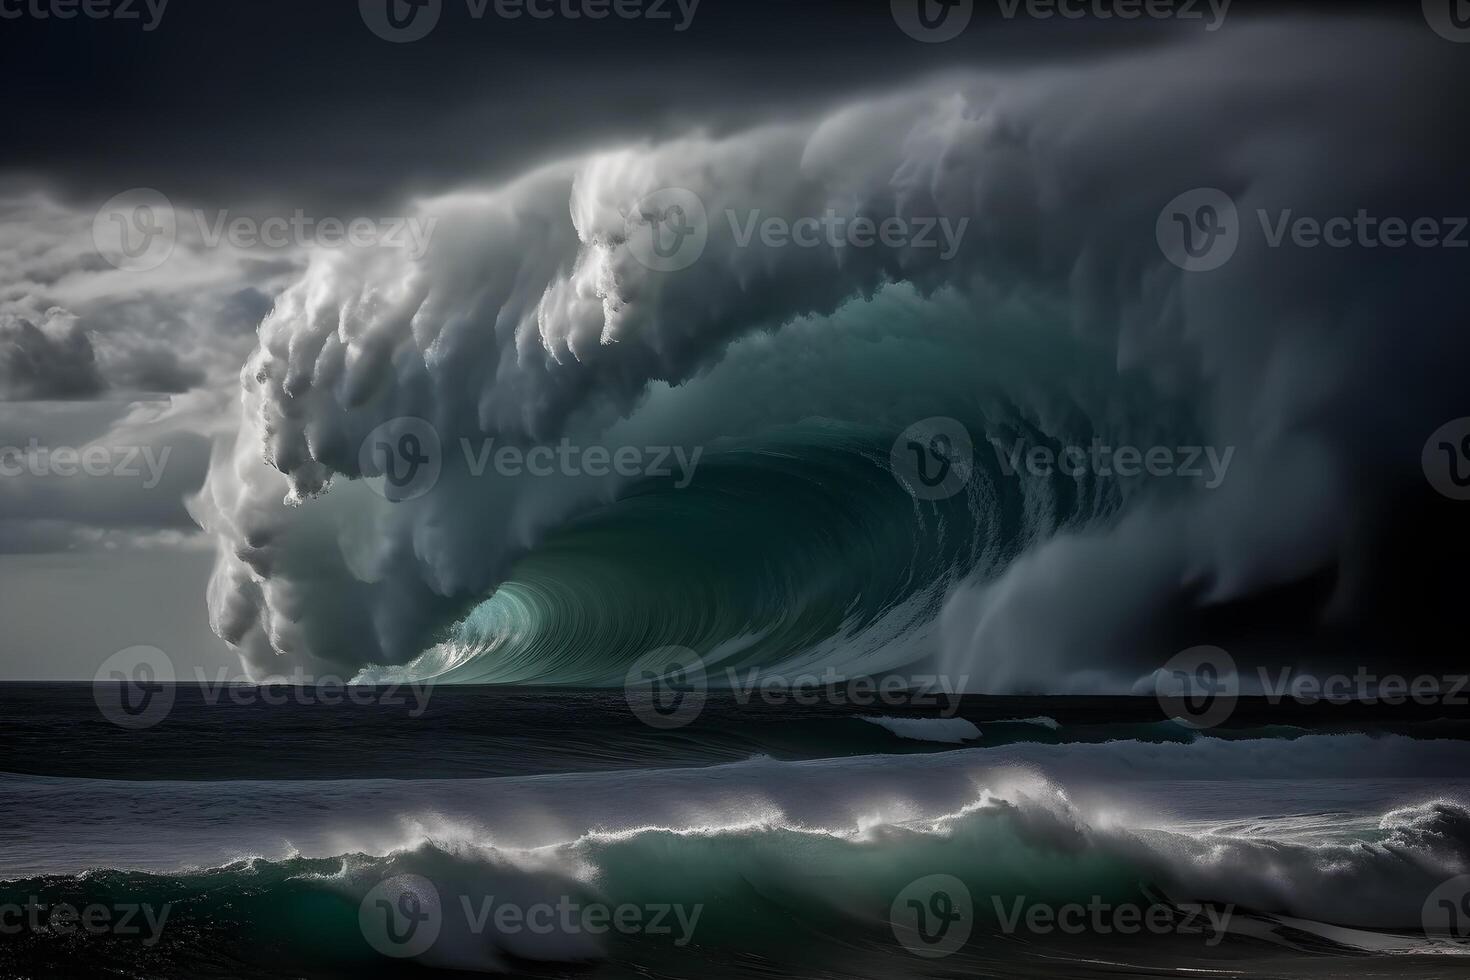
(794, 547)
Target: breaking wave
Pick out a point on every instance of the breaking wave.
(776, 887)
(794, 546)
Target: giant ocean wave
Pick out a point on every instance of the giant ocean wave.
(795, 547)
(1055, 321)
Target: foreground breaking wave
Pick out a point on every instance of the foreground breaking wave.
(791, 879)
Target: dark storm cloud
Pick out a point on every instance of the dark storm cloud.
(270, 106)
(279, 102)
(57, 362)
(73, 325)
